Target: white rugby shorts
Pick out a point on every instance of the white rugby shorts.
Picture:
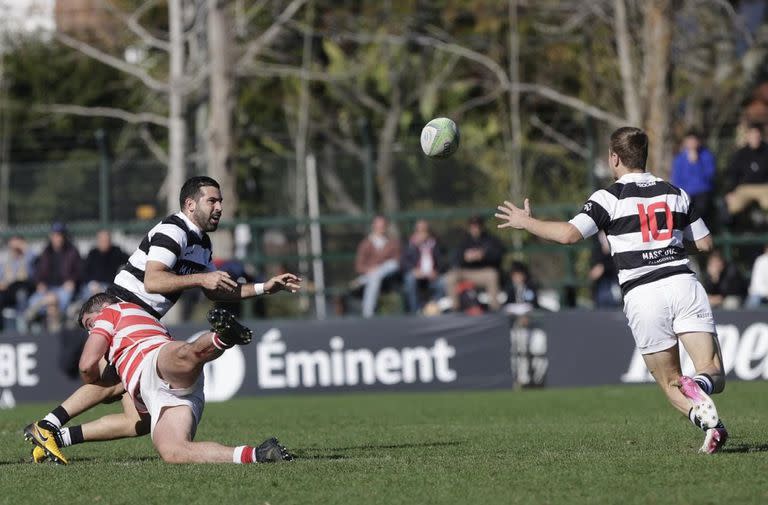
(658, 311)
(157, 394)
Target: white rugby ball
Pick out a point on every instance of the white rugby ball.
(440, 138)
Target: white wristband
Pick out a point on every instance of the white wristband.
(259, 288)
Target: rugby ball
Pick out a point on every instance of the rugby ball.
(440, 138)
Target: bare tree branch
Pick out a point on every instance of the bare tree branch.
(558, 137)
(153, 146)
(574, 103)
(106, 112)
(112, 61)
(132, 22)
(272, 70)
(266, 38)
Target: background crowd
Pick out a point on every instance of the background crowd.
(39, 290)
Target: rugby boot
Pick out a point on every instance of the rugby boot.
(703, 406)
(38, 455)
(714, 440)
(270, 451)
(47, 437)
(228, 329)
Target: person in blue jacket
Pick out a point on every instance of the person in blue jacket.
(693, 170)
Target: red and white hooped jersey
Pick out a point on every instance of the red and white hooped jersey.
(131, 333)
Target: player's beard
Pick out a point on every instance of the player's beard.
(206, 221)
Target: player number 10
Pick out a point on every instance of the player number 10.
(649, 227)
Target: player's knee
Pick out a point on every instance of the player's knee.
(172, 453)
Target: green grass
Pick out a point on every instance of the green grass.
(597, 445)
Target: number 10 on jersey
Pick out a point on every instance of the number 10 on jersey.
(649, 226)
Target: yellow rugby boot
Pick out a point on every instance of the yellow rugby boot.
(38, 455)
(46, 436)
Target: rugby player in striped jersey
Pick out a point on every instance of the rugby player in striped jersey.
(648, 221)
(174, 256)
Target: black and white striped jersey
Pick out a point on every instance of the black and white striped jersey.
(177, 243)
(645, 219)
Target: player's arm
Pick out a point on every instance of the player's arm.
(283, 282)
(158, 278)
(93, 352)
(557, 231)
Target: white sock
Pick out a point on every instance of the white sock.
(65, 438)
(53, 420)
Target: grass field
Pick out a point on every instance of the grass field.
(597, 445)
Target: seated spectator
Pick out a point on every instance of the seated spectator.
(723, 283)
(421, 266)
(58, 272)
(521, 293)
(478, 260)
(758, 285)
(101, 265)
(377, 259)
(606, 292)
(747, 177)
(693, 170)
(16, 276)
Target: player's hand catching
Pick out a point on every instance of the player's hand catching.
(282, 282)
(513, 217)
(218, 281)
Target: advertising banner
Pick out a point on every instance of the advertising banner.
(383, 354)
(596, 347)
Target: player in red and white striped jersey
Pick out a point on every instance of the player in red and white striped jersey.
(164, 376)
(131, 333)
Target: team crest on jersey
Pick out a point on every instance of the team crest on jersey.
(587, 206)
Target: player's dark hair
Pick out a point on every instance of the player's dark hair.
(631, 145)
(191, 188)
(755, 126)
(92, 303)
(692, 132)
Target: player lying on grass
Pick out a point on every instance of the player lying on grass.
(164, 377)
(174, 256)
(646, 220)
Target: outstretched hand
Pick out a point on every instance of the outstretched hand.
(512, 216)
(283, 282)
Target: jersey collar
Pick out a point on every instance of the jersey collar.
(636, 177)
(192, 226)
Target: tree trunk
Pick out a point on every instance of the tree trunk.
(177, 134)
(219, 140)
(516, 180)
(657, 38)
(632, 106)
(385, 162)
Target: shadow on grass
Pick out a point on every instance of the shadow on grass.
(317, 452)
(742, 448)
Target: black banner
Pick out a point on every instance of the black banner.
(596, 347)
(401, 353)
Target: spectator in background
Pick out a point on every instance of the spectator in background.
(16, 277)
(421, 266)
(101, 265)
(58, 273)
(747, 177)
(723, 283)
(693, 170)
(521, 293)
(478, 260)
(758, 285)
(377, 259)
(606, 292)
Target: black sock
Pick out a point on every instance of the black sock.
(58, 417)
(76, 435)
